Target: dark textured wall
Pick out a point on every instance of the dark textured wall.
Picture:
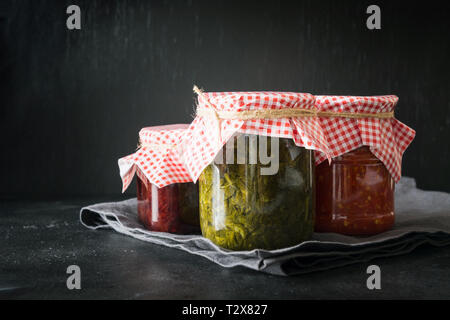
(72, 102)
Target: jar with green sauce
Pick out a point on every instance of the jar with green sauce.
(245, 207)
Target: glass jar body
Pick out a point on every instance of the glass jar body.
(173, 208)
(244, 207)
(355, 195)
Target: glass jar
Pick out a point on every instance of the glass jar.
(355, 195)
(173, 208)
(242, 208)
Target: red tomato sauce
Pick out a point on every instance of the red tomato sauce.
(354, 195)
(173, 208)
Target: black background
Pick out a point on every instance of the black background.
(72, 102)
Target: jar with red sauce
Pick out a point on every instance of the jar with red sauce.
(173, 208)
(355, 189)
(355, 194)
(167, 199)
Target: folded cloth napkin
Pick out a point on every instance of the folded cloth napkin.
(421, 217)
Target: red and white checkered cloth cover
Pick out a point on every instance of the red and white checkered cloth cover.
(203, 140)
(158, 158)
(387, 138)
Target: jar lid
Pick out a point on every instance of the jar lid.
(330, 125)
(221, 114)
(167, 135)
(157, 158)
(386, 137)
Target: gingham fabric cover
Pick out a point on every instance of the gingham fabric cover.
(387, 138)
(160, 165)
(203, 140)
(329, 137)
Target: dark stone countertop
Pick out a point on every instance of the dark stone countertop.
(40, 239)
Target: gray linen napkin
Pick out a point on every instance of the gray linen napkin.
(421, 217)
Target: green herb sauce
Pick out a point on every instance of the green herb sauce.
(240, 209)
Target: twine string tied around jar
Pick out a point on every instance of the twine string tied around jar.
(157, 146)
(280, 113)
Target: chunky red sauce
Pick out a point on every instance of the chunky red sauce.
(354, 195)
(173, 208)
